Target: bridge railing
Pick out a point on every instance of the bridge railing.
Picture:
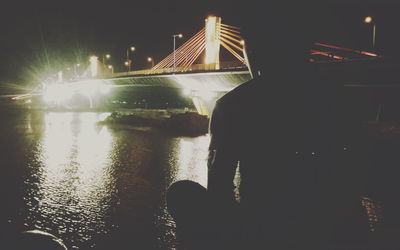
(193, 68)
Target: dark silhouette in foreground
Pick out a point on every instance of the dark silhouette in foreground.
(300, 151)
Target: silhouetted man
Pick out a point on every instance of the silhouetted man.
(285, 131)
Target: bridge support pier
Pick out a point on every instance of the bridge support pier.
(205, 103)
(201, 106)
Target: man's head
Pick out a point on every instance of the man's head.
(280, 34)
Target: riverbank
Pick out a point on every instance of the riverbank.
(177, 123)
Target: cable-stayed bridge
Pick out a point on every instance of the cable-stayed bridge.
(195, 67)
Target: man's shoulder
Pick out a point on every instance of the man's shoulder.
(240, 94)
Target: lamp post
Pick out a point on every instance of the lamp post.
(149, 59)
(369, 20)
(106, 56)
(128, 60)
(111, 68)
(174, 36)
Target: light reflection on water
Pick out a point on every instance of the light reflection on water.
(74, 175)
(87, 180)
(192, 159)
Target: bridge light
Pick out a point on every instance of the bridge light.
(93, 65)
(368, 19)
(93, 59)
(57, 93)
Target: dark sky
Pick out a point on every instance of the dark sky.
(41, 37)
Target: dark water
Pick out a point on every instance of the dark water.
(95, 187)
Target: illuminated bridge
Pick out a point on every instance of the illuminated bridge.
(203, 82)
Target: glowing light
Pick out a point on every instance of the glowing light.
(93, 59)
(93, 65)
(187, 91)
(191, 162)
(57, 93)
(149, 59)
(132, 48)
(206, 95)
(126, 63)
(74, 174)
(93, 87)
(368, 19)
(110, 66)
(180, 35)
(108, 56)
(104, 89)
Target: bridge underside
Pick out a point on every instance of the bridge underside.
(203, 88)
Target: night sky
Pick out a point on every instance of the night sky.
(41, 37)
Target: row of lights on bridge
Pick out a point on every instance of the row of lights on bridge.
(128, 62)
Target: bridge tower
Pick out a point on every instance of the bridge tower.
(212, 42)
(94, 66)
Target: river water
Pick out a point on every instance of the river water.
(93, 186)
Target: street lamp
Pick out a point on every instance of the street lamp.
(128, 60)
(369, 20)
(107, 56)
(149, 59)
(174, 36)
(112, 68)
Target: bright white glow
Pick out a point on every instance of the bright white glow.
(206, 95)
(92, 87)
(93, 65)
(57, 93)
(89, 88)
(132, 48)
(74, 173)
(192, 159)
(187, 91)
(368, 19)
(104, 89)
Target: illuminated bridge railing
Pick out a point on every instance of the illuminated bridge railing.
(193, 68)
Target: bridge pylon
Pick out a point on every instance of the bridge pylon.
(212, 42)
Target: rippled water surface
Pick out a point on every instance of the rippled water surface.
(93, 186)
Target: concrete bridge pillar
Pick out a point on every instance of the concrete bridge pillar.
(205, 102)
(201, 106)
